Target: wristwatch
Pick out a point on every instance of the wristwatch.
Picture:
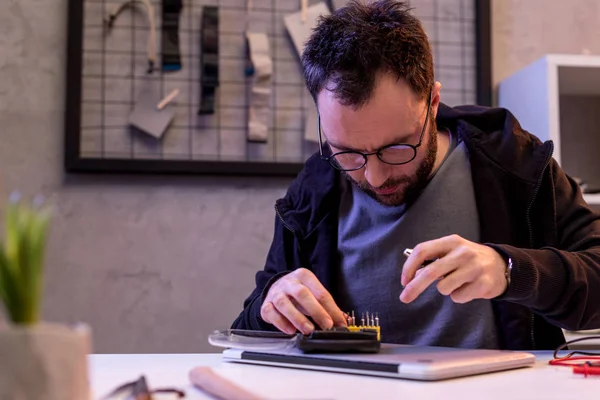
(508, 272)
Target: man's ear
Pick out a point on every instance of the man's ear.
(435, 98)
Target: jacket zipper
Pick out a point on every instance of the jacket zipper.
(537, 188)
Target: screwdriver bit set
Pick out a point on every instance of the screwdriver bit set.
(371, 322)
(362, 338)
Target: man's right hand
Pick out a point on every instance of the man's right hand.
(297, 295)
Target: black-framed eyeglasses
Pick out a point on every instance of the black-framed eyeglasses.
(139, 390)
(394, 154)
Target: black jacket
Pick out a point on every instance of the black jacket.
(529, 209)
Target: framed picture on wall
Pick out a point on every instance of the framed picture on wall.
(125, 59)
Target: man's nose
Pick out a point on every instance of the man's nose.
(376, 172)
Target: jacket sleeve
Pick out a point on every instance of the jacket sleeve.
(562, 283)
(280, 261)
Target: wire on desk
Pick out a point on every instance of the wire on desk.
(586, 363)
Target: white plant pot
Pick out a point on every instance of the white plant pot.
(44, 361)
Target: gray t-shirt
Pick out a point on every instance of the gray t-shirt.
(372, 238)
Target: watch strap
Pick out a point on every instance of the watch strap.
(209, 59)
(171, 56)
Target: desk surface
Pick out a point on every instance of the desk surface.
(538, 382)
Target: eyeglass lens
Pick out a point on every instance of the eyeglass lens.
(391, 155)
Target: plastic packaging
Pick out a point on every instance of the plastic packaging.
(251, 340)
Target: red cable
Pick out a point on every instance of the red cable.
(586, 370)
(588, 367)
(568, 360)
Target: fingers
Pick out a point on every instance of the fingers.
(298, 295)
(269, 314)
(426, 251)
(426, 276)
(463, 294)
(332, 315)
(285, 316)
(307, 303)
(455, 280)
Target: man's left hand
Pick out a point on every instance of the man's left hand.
(462, 269)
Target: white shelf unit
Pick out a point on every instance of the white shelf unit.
(558, 98)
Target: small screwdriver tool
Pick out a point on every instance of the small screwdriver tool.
(408, 252)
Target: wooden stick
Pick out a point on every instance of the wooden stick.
(214, 384)
(304, 11)
(163, 103)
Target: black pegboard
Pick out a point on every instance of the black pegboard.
(106, 72)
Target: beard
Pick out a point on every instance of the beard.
(409, 187)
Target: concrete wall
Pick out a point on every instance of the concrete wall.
(525, 30)
(152, 263)
(155, 263)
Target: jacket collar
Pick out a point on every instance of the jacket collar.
(493, 135)
(311, 197)
(496, 135)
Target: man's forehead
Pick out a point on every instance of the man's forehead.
(368, 134)
(397, 114)
(383, 107)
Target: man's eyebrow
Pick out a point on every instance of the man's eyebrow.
(340, 146)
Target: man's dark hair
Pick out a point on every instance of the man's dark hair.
(350, 47)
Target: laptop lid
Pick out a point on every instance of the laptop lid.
(395, 361)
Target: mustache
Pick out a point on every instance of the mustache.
(390, 183)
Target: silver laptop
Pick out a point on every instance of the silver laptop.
(394, 361)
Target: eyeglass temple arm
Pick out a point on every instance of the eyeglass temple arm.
(426, 118)
(319, 133)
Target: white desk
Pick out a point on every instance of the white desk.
(539, 382)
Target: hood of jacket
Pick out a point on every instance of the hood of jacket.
(493, 136)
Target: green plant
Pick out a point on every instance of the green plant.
(22, 258)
